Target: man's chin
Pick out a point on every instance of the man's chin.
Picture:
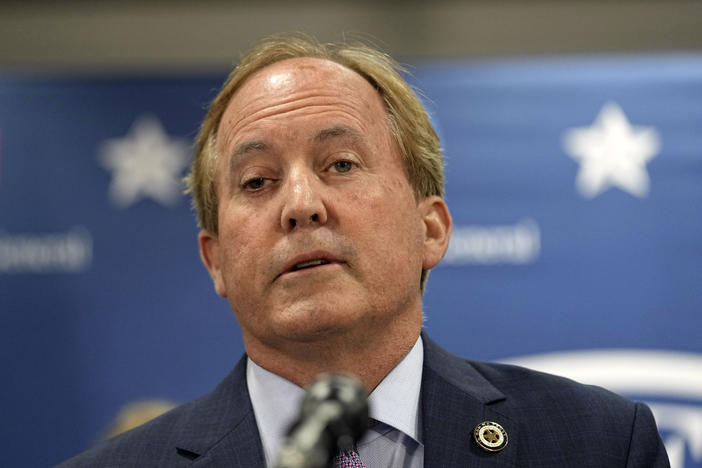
(310, 330)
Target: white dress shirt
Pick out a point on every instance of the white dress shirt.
(395, 440)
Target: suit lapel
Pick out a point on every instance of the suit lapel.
(223, 431)
(455, 399)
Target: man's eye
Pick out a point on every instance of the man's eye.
(256, 183)
(343, 166)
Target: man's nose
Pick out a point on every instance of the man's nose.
(303, 203)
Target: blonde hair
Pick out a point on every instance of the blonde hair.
(408, 121)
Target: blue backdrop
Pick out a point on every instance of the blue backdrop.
(575, 185)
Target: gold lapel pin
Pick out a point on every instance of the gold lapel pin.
(490, 436)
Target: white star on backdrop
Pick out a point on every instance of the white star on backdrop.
(612, 153)
(145, 163)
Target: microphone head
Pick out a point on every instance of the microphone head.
(333, 416)
(350, 397)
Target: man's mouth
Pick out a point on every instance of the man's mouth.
(309, 264)
(309, 261)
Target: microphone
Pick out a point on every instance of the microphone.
(333, 416)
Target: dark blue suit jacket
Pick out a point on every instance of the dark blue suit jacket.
(550, 422)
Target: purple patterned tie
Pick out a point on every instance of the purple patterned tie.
(348, 459)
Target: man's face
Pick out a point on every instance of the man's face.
(319, 229)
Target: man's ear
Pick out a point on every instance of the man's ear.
(210, 256)
(437, 230)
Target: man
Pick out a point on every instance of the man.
(318, 184)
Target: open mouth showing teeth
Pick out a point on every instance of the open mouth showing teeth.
(309, 264)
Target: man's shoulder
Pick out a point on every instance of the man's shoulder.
(520, 387)
(178, 436)
(530, 390)
(552, 419)
(143, 444)
(575, 419)
(526, 392)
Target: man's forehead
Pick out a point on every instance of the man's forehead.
(292, 82)
(289, 75)
(280, 74)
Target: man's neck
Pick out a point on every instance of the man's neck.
(369, 355)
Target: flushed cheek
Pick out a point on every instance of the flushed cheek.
(390, 230)
(395, 208)
(243, 250)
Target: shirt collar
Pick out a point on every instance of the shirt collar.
(395, 401)
(276, 403)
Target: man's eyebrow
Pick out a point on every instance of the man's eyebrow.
(249, 147)
(336, 131)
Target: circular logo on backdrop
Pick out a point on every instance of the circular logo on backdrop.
(669, 382)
